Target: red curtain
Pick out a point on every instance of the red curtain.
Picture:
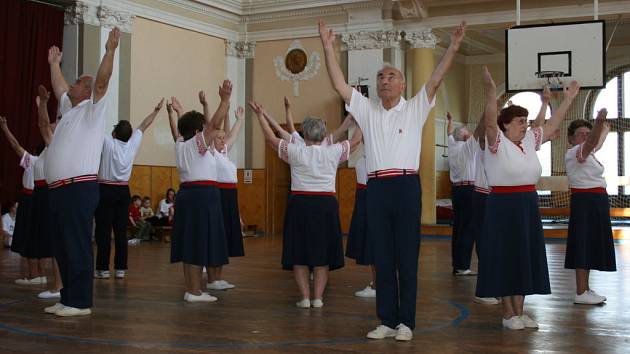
(27, 30)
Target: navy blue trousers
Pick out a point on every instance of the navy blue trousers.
(72, 210)
(463, 234)
(112, 213)
(393, 207)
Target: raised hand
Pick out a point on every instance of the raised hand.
(287, 104)
(326, 35)
(176, 105)
(240, 113)
(42, 95)
(202, 98)
(113, 39)
(258, 109)
(602, 113)
(3, 122)
(225, 90)
(449, 117)
(458, 35)
(487, 79)
(54, 55)
(158, 107)
(169, 107)
(572, 90)
(546, 94)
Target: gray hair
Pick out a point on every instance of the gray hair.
(387, 65)
(314, 129)
(459, 133)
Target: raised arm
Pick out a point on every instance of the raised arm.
(545, 97)
(558, 115)
(104, 72)
(445, 63)
(288, 115)
(595, 136)
(490, 113)
(337, 135)
(449, 125)
(210, 125)
(334, 70)
(602, 137)
(272, 122)
(233, 135)
(226, 123)
(356, 138)
(59, 84)
(270, 137)
(151, 117)
(172, 120)
(480, 130)
(43, 120)
(15, 145)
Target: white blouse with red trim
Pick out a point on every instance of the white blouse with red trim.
(195, 159)
(226, 169)
(28, 177)
(510, 164)
(481, 181)
(583, 172)
(38, 166)
(361, 170)
(314, 167)
(296, 138)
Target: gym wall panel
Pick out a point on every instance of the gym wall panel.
(252, 199)
(346, 188)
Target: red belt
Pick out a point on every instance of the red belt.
(41, 183)
(589, 190)
(311, 193)
(63, 182)
(227, 185)
(198, 183)
(114, 183)
(27, 191)
(361, 186)
(513, 189)
(392, 172)
(464, 183)
(482, 190)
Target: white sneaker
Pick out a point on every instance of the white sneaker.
(101, 274)
(68, 311)
(49, 294)
(528, 322)
(227, 285)
(404, 333)
(381, 332)
(32, 281)
(134, 242)
(596, 294)
(589, 298)
(460, 272)
(317, 303)
(486, 300)
(204, 297)
(303, 304)
(513, 323)
(120, 274)
(219, 285)
(54, 308)
(367, 292)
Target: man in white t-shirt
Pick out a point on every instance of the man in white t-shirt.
(8, 225)
(392, 129)
(72, 163)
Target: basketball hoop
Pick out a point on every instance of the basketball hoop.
(550, 78)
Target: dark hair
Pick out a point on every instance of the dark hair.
(123, 130)
(577, 124)
(510, 112)
(190, 123)
(135, 197)
(145, 199)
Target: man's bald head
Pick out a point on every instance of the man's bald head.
(390, 83)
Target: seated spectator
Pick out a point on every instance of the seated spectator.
(171, 214)
(146, 212)
(141, 228)
(8, 224)
(162, 216)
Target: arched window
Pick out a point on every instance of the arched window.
(531, 101)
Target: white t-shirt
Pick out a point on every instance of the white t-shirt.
(28, 177)
(117, 157)
(361, 169)
(226, 169)
(163, 208)
(296, 138)
(461, 162)
(75, 149)
(508, 164)
(195, 159)
(583, 172)
(38, 166)
(392, 137)
(8, 223)
(481, 182)
(314, 167)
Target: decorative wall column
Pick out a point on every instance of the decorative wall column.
(237, 56)
(420, 57)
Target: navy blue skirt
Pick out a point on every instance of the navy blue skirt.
(39, 243)
(23, 224)
(232, 222)
(198, 232)
(312, 232)
(512, 260)
(357, 247)
(590, 242)
(478, 216)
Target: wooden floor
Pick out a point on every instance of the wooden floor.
(145, 312)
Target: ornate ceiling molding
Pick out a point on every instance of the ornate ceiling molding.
(371, 40)
(422, 39)
(114, 18)
(85, 13)
(240, 49)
